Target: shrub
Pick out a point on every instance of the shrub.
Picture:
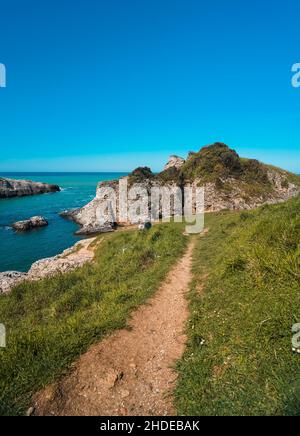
(140, 174)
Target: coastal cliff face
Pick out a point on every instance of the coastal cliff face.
(20, 188)
(229, 182)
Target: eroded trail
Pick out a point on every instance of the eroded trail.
(130, 372)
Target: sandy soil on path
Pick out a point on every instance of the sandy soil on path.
(130, 372)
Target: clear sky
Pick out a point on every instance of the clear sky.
(102, 85)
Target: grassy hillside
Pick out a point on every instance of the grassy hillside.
(244, 299)
(50, 322)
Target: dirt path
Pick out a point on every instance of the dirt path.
(130, 372)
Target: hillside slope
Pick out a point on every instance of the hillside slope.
(244, 301)
(52, 321)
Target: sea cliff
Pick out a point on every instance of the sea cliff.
(229, 181)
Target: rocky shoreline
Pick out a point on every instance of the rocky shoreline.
(10, 188)
(87, 230)
(229, 182)
(70, 259)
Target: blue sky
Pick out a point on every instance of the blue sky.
(96, 85)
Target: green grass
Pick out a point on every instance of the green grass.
(244, 299)
(50, 322)
(222, 166)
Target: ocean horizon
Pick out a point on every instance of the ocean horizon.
(19, 250)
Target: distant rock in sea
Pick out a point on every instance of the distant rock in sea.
(31, 223)
(20, 188)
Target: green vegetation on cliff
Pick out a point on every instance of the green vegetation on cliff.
(244, 299)
(219, 164)
(212, 162)
(140, 174)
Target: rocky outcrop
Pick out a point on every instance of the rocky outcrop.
(94, 230)
(174, 162)
(70, 259)
(229, 182)
(83, 216)
(20, 188)
(235, 195)
(88, 218)
(31, 223)
(9, 279)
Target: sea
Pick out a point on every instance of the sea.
(19, 250)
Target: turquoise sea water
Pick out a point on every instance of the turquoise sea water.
(19, 251)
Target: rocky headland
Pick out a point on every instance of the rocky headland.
(229, 182)
(19, 188)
